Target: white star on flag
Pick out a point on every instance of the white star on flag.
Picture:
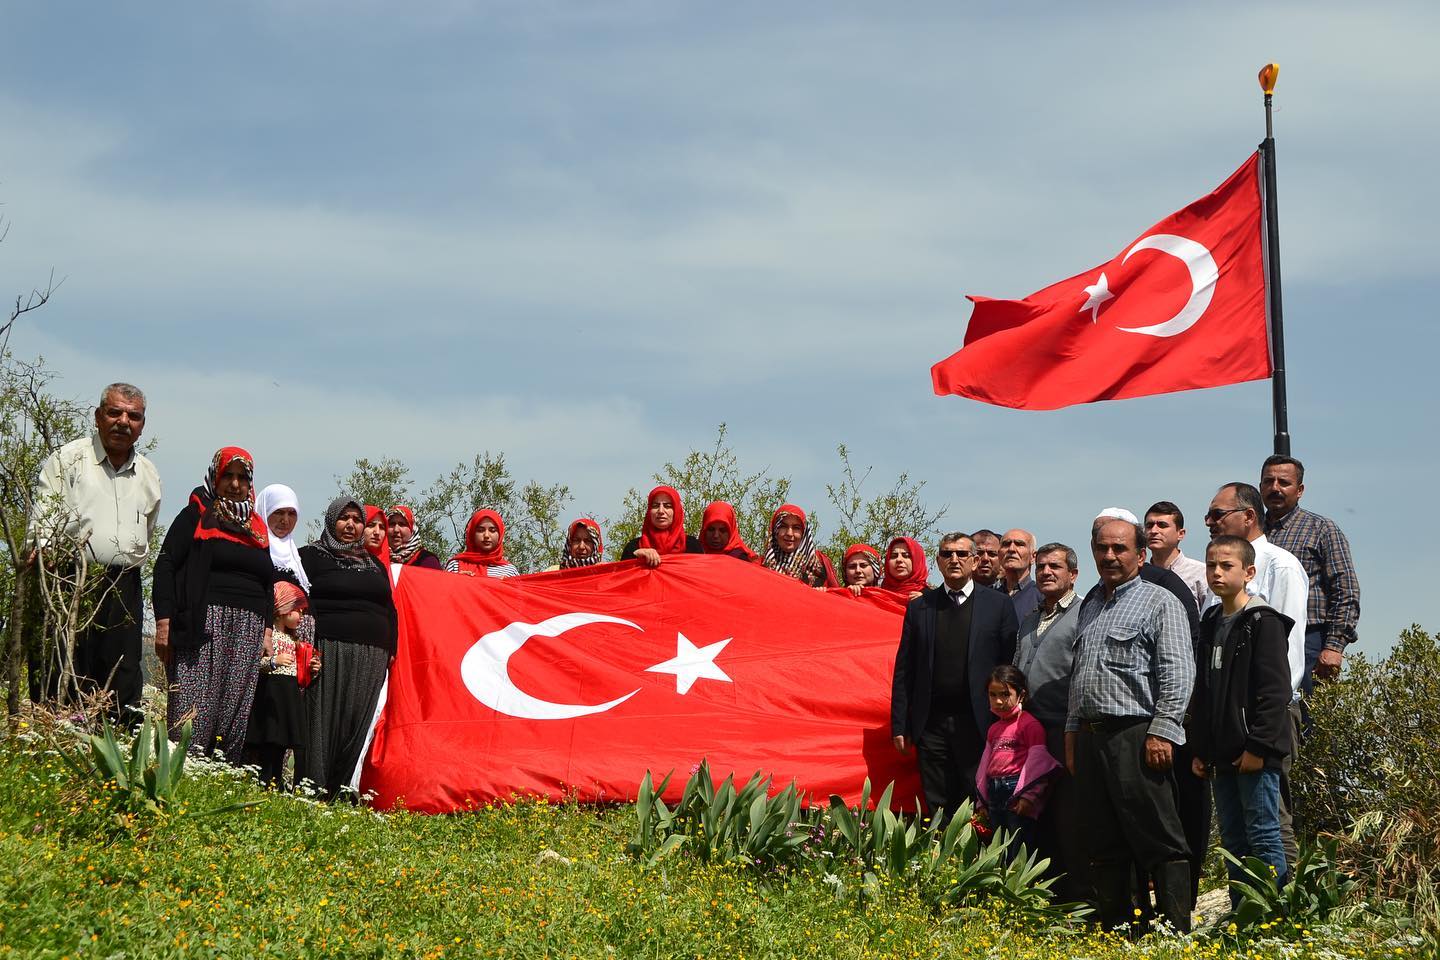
(690, 663)
(1098, 293)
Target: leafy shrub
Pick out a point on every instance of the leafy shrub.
(858, 851)
(1316, 890)
(1367, 772)
(138, 784)
(720, 824)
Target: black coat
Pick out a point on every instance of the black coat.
(1245, 704)
(353, 604)
(692, 545)
(180, 588)
(993, 629)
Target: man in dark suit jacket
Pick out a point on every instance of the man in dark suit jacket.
(952, 637)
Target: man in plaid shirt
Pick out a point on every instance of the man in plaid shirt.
(1333, 606)
(1133, 676)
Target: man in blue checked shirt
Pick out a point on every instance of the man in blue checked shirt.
(1134, 673)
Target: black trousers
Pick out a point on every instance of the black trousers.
(1062, 829)
(948, 753)
(1192, 802)
(108, 652)
(1130, 810)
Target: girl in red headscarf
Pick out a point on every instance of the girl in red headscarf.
(279, 720)
(484, 553)
(862, 567)
(906, 571)
(790, 549)
(213, 594)
(405, 546)
(663, 531)
(720, 533)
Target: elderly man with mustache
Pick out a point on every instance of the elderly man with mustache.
(99, 492)
(1133, 675)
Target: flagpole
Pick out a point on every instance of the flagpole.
(1268, 75)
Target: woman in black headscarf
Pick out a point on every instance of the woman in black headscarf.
(355, 634)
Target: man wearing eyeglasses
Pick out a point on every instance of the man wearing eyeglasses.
(1237, 509)
(951, 638)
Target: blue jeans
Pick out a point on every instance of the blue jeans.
(1002, 791)
(1248, 808)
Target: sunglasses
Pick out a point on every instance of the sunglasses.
(947, 554)
(1215, 516)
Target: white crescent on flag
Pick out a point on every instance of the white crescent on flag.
(485, 669)
(1203, 276)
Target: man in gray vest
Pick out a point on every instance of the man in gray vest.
(1045, 653)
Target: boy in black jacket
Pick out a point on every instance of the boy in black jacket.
(1241, 728)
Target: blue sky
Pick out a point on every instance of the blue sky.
(585, 234)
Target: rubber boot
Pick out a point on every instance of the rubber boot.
(1114, 906)
(1172, 893)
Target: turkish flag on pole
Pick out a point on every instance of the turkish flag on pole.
(576, 683)
(1182, 307)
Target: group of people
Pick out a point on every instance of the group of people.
(1099, 728)
(1096, 728)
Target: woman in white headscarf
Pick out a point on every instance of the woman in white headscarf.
(280, 509)
(279, 703)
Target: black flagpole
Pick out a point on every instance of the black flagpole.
(1268, 75)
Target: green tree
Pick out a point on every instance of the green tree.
(702, 477)
(531, 510)
(42, 600)
(385, 483)
(449, 502)
(898, 511)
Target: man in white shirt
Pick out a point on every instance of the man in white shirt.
(1164, 529)
(1280, 580)
(98, 495)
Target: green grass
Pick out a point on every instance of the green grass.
(291, 877)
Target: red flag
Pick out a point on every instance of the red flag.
(576, 683)
(1182, 307)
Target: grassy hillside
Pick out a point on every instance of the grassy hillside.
(290, 877)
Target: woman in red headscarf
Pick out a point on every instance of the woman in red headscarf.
(213, 595)
(377, 535)
(790, 549)
(484, 553)
(584, 546)
(720, 533)
(862, 567)
(906, 571)
(405, 546)
(663, 531)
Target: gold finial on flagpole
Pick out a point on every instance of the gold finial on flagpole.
(1268, 75)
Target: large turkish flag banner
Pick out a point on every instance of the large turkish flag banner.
(1182, 307)
(575, 683)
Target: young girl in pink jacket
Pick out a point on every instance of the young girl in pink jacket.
(1015, 769)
